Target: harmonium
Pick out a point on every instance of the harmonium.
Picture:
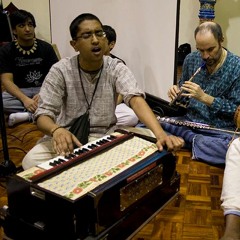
(107, 189)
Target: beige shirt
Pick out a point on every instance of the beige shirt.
(62, 97)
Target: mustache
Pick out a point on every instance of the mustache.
(208, 61)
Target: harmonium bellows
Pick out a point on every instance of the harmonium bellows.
(106, 191)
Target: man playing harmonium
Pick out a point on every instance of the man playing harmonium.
(89, 82)
(209, 88)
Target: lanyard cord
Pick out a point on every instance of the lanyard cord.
(79, 70)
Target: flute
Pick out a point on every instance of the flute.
(195, 125)
(190, 80)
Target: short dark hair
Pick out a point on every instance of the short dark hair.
(110, 33)
(21, 16)
(78, 20)
(213, 27)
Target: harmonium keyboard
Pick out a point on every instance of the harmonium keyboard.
(106, 189)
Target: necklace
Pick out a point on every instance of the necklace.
(28, 52)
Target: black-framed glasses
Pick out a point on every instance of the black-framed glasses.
(87, 35)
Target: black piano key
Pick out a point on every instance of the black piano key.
(54, 163)
(81, 151)
(102, 141)
(57, 162)
(69, 156)
(85, 150)
(111, 137)
(92, 146)
(61, 160)
(78, 152)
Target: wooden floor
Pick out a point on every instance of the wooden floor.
(194, 214)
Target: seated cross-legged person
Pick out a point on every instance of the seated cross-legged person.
(211, 97)
(24, 63)
(125, 115)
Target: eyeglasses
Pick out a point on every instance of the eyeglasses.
(87, 35)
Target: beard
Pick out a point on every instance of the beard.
(210, 62)
(214, 60)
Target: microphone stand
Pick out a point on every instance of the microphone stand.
(7, 167)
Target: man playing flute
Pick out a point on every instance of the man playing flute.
(211, 97)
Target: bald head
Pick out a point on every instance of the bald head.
(211, 27)
(209, 38)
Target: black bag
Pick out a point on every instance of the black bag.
(81, 127)
(183, 51)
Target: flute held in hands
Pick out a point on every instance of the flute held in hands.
(179, 95)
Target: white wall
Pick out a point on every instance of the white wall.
(227, 14)
(145, 35)
(188, 21)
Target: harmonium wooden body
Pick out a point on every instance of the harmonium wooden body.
(107, 189)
